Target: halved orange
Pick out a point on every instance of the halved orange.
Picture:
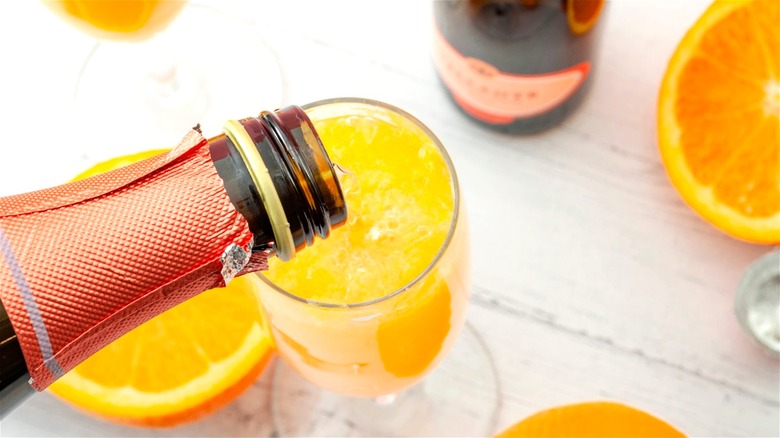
(179, 366)
(593, 419)
(719, 118)
(583, 14)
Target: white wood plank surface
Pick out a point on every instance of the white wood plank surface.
(592, 280)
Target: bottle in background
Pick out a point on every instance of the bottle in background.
(518, 66)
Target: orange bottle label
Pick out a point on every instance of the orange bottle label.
(496, 97)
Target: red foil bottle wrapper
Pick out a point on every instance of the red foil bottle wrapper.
(86, 262)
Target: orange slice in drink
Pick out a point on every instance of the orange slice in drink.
(719, 118)
(594, 419)
(583, 14)
(179, 366)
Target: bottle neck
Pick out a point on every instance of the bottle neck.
(278, 175)
(274, 170)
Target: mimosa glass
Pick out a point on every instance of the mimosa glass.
(163, 66)
(368, 313)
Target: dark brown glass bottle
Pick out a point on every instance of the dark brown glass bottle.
(517, 66)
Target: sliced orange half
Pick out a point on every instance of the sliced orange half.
(179, 366)
(719, 118)
(591, 420)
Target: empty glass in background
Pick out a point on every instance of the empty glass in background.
(382, 355)
(160, 67)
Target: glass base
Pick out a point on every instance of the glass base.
(459, 398)
(205, 68)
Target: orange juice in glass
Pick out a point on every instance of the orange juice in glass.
(118, 19)
(375, 307)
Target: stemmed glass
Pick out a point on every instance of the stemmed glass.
(352, 366)
(159, 67)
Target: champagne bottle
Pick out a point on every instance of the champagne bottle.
(84, 263)
(517, 66)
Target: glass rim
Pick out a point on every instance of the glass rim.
(450, 233)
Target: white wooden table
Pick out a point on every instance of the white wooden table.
(592, 280)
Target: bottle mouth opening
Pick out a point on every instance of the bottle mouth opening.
(246, 142)
(279, 176)
(317, 175)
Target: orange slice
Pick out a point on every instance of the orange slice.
(594, 419)
(179, 366)
(583, 14)
(719, 118)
